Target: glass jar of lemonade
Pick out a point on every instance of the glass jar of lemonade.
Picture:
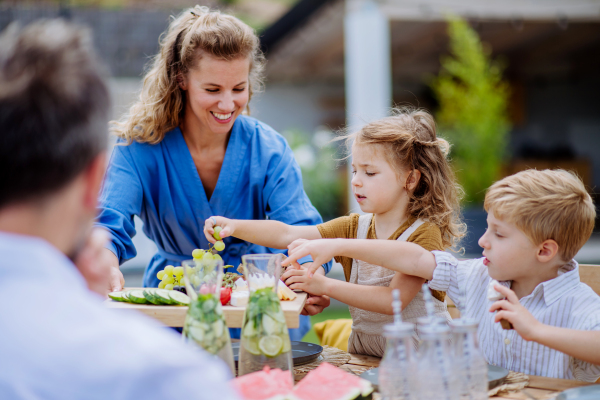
(265, 340)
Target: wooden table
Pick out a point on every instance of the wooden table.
(539, 388)
(234, 316)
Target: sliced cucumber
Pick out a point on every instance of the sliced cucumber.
(150, 297)
(137, 296)
(179, 298)
(116, 296)
(125, 295)
(163, 295)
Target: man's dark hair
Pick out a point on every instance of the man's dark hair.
(53, 108)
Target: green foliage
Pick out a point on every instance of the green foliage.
(323, 182)
(473, 114)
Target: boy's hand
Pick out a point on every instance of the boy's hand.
(511, 310)
(227, 225)
(321, 250)
(298, 279)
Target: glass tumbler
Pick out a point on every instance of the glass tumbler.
(204, 323)
(265, 340)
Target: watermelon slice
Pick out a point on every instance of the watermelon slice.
(268, 384)
(330, 383)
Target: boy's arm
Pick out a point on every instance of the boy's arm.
(266, 233)
(405, 257)
(371, 298)
(583, 345)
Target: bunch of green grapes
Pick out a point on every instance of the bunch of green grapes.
(170, 277)
(219, 245)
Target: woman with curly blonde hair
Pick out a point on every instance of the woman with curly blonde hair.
(186, 151)
(404, 184)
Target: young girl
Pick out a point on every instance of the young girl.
(402, 180)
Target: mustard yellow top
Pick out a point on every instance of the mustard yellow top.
(427, 236)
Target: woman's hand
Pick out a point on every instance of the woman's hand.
(511, 310)
(227, 225)
(98, 265)
(321, 251)
(315, 304)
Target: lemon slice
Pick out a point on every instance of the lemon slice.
(251, 346)
(287, 345)
(270, 345)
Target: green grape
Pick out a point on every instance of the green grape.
(165, 277)
(207, 257)
(178, 271)
(169, 279)
(169, 286)
(217, 257)
(216, 235)
(169, 270)
(161, 285)
(160, 274)
(219, 246)
(198, 253)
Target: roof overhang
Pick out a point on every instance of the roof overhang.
(536, 37)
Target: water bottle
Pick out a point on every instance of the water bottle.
(470, 364)
(436, 371)
(396, 371)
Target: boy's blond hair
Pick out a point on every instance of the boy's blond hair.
(548, 204)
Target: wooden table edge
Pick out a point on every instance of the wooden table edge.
(174, 316)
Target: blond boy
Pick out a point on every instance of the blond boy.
(537, 222)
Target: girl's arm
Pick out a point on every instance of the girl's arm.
(266, 233)
(580, 344)
(371, 298)
(405, 257)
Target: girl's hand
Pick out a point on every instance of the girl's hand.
(511, 310)
(321, 251)
(298, 279)
(227, 225)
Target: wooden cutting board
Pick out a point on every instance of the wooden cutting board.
(234, 316)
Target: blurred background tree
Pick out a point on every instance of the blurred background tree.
(323, 182)
(472, 115)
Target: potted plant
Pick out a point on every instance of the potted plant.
(473, 116)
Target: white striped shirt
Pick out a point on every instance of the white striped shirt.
(563, 301)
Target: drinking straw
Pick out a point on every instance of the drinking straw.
(397, 306)
(428, 302)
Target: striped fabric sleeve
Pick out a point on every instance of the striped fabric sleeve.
(445, 274)
(589, 309)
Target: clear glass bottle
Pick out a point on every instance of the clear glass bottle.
(265, 340)
(204, 322)
(436, 372)
(396, 371)
(471, 366)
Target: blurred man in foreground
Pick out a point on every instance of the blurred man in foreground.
(58, 341)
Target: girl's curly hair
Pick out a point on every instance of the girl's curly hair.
(409, 141)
